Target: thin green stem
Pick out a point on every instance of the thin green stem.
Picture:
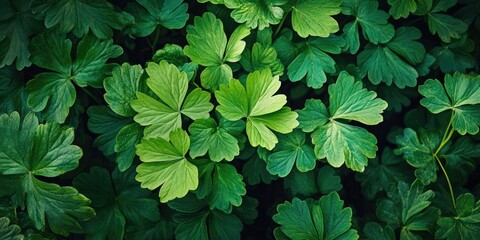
(446, 137)
(280, 25)
(155, 39)
(448, 181)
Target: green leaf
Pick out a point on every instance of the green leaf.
(81, 16)
(291, 150)
(9, 231)
(163, 114)
(121, 88)
(53, 93)
(256, 13)
(348, 101)
(328, 181)
(149, 14)
(465, 223)
(402, 8)
(165, 166)
(195, 221)
(461, 95)
(218, 139)
(221, 185)
(215, 54)
(392, 62)
(17, 24)
(255, 171)
(261, 57)
(324, 219)
(13, 95)
(374, 23)
(314, 61)
(28, 150)
(314, 18)
(256, 102)
(455, 56)
(446, 26)
(125, 141)
(418, 151)
(117, 200)
(374, 231)
(382, 174)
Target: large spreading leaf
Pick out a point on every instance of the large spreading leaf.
(313, 61)
(53, 93)
(256, 102)
(165, 166)
(334, 140)
(218, 139)
(324, 219)
(409, 209)
(163, 114)
(17, 24)
(291, 149)
(374, 23)
(256, 13)
(465, 223)
(149, 14)
(208, 47)
(81, 16)
(29, 150)
(392, 62)
(117, 199)
(461, 94)
(313, 17)
(221, 185)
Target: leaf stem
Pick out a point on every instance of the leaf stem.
(280, 25)
(448, 181)
(446, 137)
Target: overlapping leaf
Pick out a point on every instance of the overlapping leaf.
(29, 151)
(256, 13)
(165, 166)
(314, 17)
(460, 93)
(217, 52)
(163, 114)
(334, 140)
(53, 93)
(256, 102)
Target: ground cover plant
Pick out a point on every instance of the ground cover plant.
(229, 119)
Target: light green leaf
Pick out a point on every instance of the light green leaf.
(164, 115)
(215, 54)
(348, 101)
(461, 95)
(81, 16)
(257, 102)
(312, 17)
(291, 150)
(217, 139)
(314, 61)
(256, 13)
(149, 14)
(165, 166)
(261, 57)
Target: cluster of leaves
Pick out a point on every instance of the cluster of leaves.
(155, 119)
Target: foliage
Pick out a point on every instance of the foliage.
(239, 119)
